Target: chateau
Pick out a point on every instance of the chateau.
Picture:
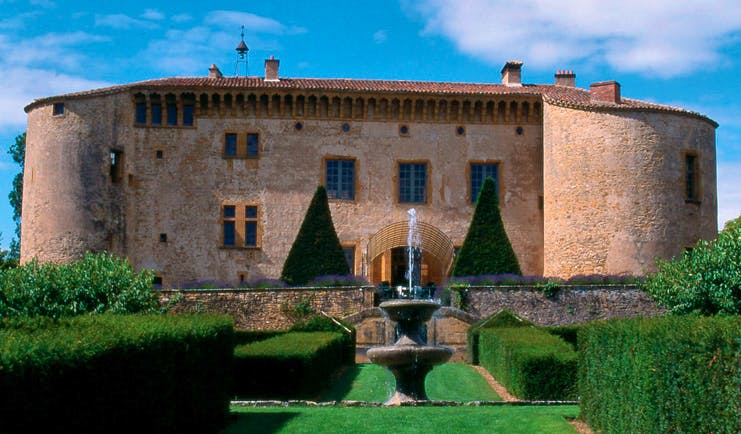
(210, 177)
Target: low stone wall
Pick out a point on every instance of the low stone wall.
(569, 305)
(263, 309)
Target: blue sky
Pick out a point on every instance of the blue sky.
(683, 53)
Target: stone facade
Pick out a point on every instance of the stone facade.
(585, 185)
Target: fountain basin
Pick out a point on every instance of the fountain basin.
(409, 355)
(410, 311)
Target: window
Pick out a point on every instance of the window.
(350, 257)
(253, 145)
(691, 178)
(240, 226)
(479, 172)
(230, 145)
(116, 166)
(172, 114)
(229, 216)
(187, 115)
(339, 179)
(58, 109)
(412, 182)
(141, 113)
(156, 113)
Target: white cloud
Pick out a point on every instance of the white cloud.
(181, 18)
(121, 21)
(658, 37)
(729, 193)
(153, 14)
(380, 36)
(61, 48)
(252, 23)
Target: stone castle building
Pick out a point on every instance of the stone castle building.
(210, 177)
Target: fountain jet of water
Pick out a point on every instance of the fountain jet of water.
(413, 241)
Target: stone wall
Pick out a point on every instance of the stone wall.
(263, 309)
(570, 305)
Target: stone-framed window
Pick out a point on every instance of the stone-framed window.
(241, 145)
(116, 168)
(691, 177)
(240, 226)
(349, 250)
(253, 145)
(339, 178)
(156, 110)
(188, 115)
(172, 113)
(478, 172)
(57, 109)
(230, 145)
(413, 180)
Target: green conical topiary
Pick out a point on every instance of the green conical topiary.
(317, 250)
(486, 249)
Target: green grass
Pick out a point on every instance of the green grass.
(450, 382)
(500, 419)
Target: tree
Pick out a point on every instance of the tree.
(18, 152)
(705, 280)
(317, 250)
(5, 260)
(486, 249)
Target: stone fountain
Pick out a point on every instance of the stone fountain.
(410, 359)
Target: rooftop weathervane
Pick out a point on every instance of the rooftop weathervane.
(241, 55)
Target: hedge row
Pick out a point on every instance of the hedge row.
(503, 318)
(115, 373)
(672, 374)
(529, 362)
(292, 365)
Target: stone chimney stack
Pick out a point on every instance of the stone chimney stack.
(606, 91)
(511, 73)
(565, 78)
(271, 69)
(214, 72)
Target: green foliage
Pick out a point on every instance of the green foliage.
(291, 365)
(299, 310)
(706, 280)
(115, 373)
(6, 259)
(486, 249)
(317, 250)
(18, 152)
(503, 318)
(549, 288)
(98, 283)
(567, 333)
(673, 374)
(529, 362)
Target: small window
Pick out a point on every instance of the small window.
(159, 154)
(240, 226)
(156, 113)
(163, 238)
(58, 109)
(479, 172)
(187, 115)
(230, 145)
(691, 178)
(229, 224)
(157, 282)
(460, 131)
(412, 183)
(250, 226)
(141, 113)
(116, 171)
(172, 114)
(350, 257)
(339, 179)
(253, 145)
(404, 130)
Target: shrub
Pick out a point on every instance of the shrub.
(115, 373)
(503, 318)
(529, 362)
(292, 365)
(567, 333)
(98, 283)
(671, 374)
(317, 250)
(333, 280)
(486, 248)
(264, 283)
(706, 280)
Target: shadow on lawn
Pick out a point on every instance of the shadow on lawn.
(342, 386)
(257, 422)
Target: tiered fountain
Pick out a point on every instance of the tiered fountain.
(410, 359)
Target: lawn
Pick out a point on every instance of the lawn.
(498, 419)
(449, 382)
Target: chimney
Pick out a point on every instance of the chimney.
(606, 91)
(565, 78)
(213, 72)
(271, 69)
(511, 73)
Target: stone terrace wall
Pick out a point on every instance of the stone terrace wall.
(261, 309)
(570, 305)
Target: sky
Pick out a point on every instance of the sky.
(681, 53)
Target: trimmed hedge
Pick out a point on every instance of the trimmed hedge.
(503, 318)
(115, 373)
(671, 374)
(568, 333)
(293, 365)
(530, 363)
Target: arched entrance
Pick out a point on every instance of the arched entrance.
(387, 254)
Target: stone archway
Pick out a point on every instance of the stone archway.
(437, 252)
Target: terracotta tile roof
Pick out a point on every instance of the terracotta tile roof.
(558, 95)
